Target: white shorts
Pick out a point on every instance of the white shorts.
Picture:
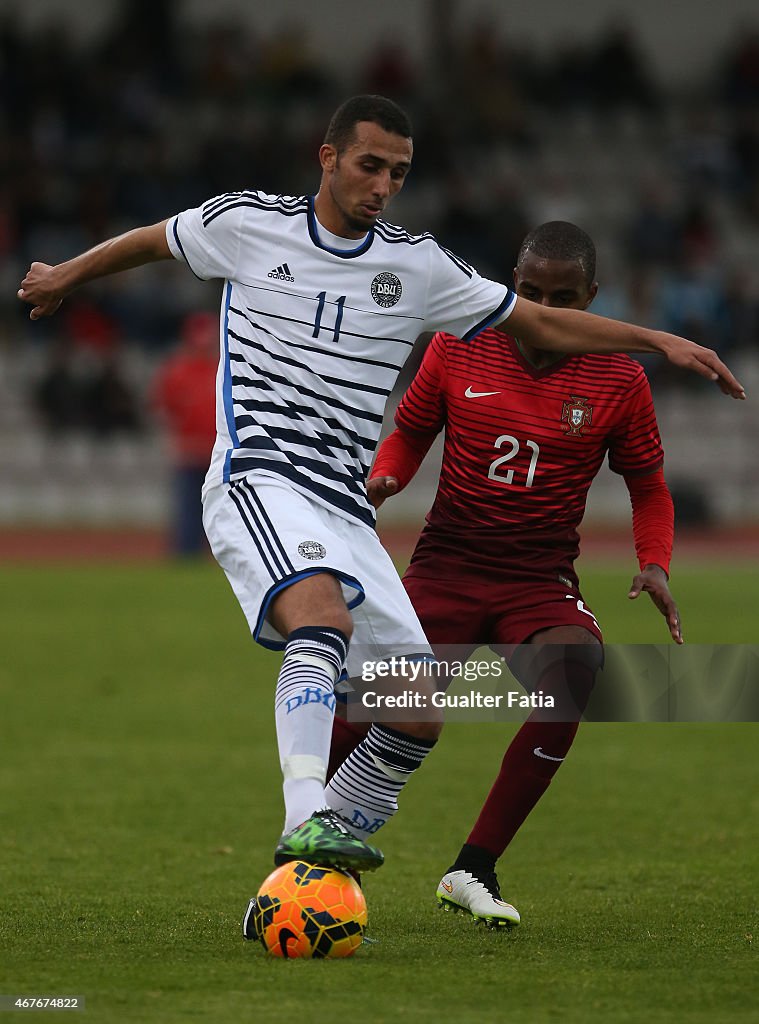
(266, 535)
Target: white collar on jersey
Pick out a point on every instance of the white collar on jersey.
(335, 243)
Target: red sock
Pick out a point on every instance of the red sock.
(533, 758)
(346, 736)
(523, 779)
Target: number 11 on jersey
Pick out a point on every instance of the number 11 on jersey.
(322, 301)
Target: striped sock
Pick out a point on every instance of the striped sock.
(304, 705)
(365, 787)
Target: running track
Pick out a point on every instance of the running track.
(71, 546)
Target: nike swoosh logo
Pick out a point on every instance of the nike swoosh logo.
(448, 886)
(479, 394)
(538, 752)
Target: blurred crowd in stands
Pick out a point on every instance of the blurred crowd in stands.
(158, 116)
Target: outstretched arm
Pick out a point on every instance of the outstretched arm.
(653, 528)
(574, 330)
(45, 287)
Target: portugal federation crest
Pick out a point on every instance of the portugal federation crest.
(577, 414)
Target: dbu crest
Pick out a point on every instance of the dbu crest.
(576, 414)
(386, 289)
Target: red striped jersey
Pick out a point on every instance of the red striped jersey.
(522, 446)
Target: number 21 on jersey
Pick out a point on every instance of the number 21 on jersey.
(507, 476)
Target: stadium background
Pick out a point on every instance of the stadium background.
(139, 788)
(643, 130)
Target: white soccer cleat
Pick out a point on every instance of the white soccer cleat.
(478, 895)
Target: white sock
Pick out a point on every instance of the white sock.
(304, 707)
(365, 787)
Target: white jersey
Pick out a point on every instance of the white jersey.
(313, 335)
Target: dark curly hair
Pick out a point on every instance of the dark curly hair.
(377, 109)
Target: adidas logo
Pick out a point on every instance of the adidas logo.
(282, 273)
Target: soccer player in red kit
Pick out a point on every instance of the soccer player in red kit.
(525, 434)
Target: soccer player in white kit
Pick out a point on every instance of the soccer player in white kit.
(322, 302)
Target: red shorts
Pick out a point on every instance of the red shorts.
(508, 612)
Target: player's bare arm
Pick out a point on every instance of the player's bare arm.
(574, 330)
(45, 287)
(653, 580)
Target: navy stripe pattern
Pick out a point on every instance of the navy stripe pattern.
(261, 529)
(366, 786)
(314, 337)
(287, 206)
(302, 682)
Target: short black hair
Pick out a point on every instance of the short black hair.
(377, 109)
(560, 240)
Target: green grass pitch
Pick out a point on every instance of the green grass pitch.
(140, 801)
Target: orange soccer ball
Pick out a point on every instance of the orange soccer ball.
(307, 911)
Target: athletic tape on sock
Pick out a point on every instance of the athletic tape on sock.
(304, 766)
(397, 775)
(312, 659)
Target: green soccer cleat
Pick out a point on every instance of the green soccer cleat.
(325, 840)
